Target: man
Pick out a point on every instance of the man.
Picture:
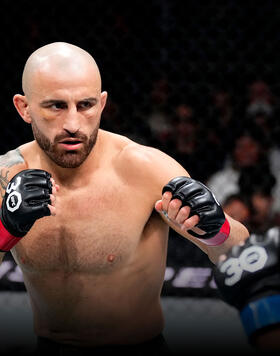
(94, 269)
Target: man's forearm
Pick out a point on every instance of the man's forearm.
(238, 233)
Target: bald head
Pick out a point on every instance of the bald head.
(58, 57)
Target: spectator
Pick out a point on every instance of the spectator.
(185, 131)
(158, 118)
(260, 99)
(186, 144)
(247, 152)
(257, 187)
(238, 208)
(222, 126)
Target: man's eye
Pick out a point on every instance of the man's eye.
(84, 105)
(58, 106)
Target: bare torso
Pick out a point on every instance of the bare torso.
(94, 271)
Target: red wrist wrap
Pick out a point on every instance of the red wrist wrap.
(221, 236)
(7, 240)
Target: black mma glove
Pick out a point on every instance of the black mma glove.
(203, 203)
(249, 280)
(26, 200)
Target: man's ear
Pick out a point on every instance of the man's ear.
(103, 99)
(22, 107)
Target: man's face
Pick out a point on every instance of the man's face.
(65, 116)
(69, 154)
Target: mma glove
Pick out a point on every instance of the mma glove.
(26, 199)
(249, 280)
(203, 203)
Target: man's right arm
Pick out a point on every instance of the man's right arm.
(10, 164)
(27, 195)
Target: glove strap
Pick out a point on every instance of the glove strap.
(260, 313)
(7, 240)
(221, 236)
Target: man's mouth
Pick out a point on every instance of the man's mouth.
(70, 144)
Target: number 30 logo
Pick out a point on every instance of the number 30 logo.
(251, 260)
(14, 198)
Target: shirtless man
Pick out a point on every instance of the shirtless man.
(91, 240)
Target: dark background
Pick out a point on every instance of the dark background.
(199, 46)
(196, 47)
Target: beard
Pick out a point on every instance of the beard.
(63, 158)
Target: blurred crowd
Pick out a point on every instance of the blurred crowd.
(202, 88)
(233, 149)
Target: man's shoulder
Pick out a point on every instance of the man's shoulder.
(11, 163)
(125, 148)
(140, 162)
(11, 158)
(139, 154)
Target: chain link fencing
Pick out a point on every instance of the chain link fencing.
(187, 77)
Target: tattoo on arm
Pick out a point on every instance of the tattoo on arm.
(4, 181)
(9, 159)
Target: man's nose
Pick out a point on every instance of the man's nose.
(72, 120)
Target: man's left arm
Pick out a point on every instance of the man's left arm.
(191, 209)
(185, 204)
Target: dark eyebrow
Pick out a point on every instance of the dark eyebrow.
(91, 99)
(48, 102)
(51, 102)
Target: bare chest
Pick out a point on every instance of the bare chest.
(95, 230)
